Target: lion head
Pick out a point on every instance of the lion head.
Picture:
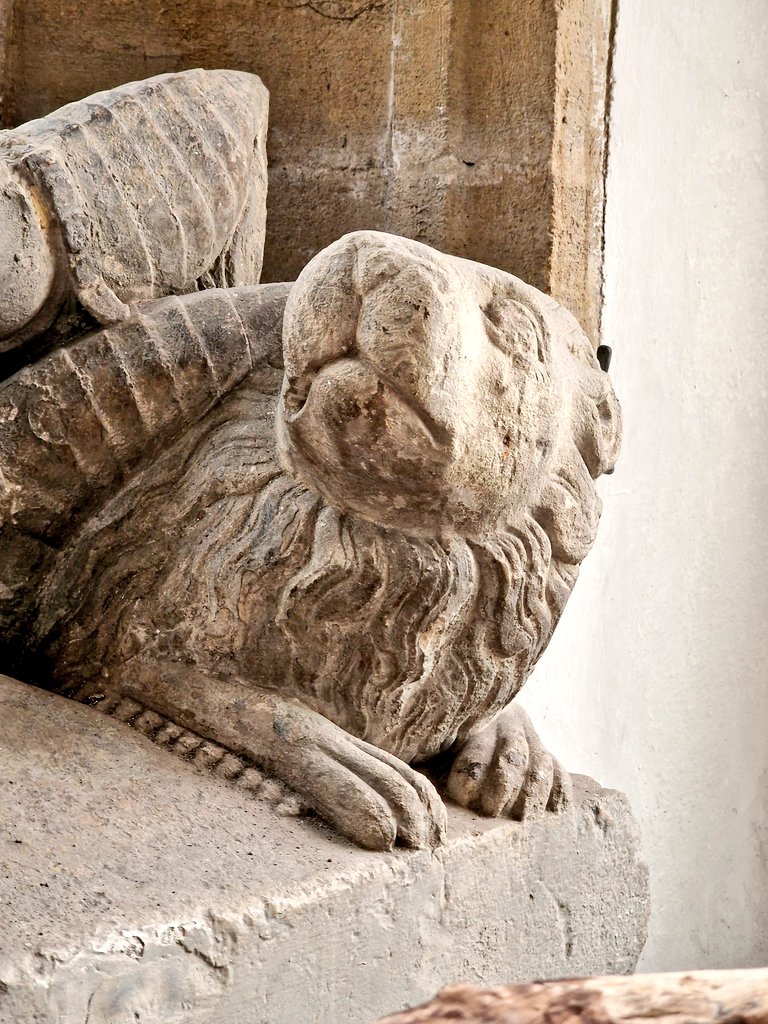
(434, 394)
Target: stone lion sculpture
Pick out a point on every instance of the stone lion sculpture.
(330, 526)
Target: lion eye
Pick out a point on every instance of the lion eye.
(512, 329)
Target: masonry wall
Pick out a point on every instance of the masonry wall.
(657, 679)
(474, 126)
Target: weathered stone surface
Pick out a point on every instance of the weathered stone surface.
(439, 395)
(337, 571)
(474, 127)
(139, 888)
(152, 189)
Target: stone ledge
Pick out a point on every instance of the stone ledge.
(140, 888)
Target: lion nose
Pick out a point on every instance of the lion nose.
(368, 297)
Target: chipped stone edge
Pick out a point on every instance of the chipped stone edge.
(206, 953)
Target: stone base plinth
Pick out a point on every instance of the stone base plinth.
(137, 887)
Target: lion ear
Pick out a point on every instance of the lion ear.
(569, 510)
(596, 422)
(610, 430)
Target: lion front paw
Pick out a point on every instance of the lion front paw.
(504, 769)
(368, 795)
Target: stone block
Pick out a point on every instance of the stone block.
(140, 886)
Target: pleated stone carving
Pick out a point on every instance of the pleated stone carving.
(155, 188)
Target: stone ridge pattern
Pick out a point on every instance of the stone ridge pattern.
(328, 526)
(188, 746)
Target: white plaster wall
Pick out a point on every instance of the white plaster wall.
(657, 680)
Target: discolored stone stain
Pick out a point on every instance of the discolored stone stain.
(693, 997)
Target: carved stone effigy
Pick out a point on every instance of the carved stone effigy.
(330, 527)
(310, 537)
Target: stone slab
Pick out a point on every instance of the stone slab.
(137, 887)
